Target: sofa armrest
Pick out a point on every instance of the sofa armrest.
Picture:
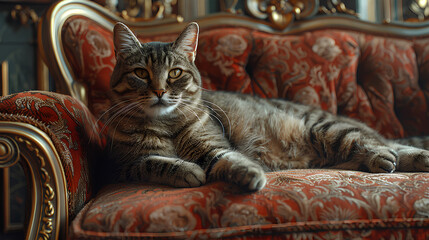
(31, 147)
(54, 137)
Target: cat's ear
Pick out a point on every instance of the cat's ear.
(124, 40)
(187, 41)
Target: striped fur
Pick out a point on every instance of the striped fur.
(163, 128)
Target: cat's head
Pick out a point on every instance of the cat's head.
(156, 78)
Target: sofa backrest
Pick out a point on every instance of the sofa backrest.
(378, 74)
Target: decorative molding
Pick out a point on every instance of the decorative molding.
(24, 14)
(421, 9)
(336, 6)
(281, 13)
(229, 6)
(46, 229)
(4, 78)
(9, 152)
(148, 10)
(47, 200)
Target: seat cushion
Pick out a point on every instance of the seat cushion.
(303, 204)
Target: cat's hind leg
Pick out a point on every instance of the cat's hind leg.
(411, 159)
(344, 143)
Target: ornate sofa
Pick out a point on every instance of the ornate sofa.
(378, 74)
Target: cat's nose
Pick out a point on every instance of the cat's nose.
(159, 92)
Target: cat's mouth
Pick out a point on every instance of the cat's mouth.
(160, 103)
(161, 107)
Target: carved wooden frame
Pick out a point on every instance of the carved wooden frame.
(30, 146)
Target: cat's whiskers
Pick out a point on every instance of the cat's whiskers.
(117, 105)
(189, 108)
(224, 113)
(123, 110)
(120, 121)
(127, 110)
(183, 113)
(212, 114)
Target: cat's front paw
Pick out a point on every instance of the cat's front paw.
(413, 160)
(191, 175)
(251, 177)
(238, 169)
(382, 160)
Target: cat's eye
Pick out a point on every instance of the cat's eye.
(175, 73)
(141, 73)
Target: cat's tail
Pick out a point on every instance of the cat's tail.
(419, 142)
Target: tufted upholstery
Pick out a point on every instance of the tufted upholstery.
(377, 79)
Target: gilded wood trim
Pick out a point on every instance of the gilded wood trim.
(42, 74)
(48, 208)
(4, 78)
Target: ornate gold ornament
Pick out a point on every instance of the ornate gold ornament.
(147, 10)
(33, 149)
(229, 6)
(421, 9)
(9, 152)
(281, 13)
(336, 6)
(24, 14)
(46, 230)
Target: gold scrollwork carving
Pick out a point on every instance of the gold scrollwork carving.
(281, 13)
(147, 10)
(337, 6)
(24, 14)
(9, 152)
(47, 227)
(421, 9)
(229, 6)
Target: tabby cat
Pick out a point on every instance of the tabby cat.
(164, 128)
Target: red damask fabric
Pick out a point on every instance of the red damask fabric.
(76, 129)
(379, 80)
(295, 204)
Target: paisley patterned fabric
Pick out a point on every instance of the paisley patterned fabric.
(295, 204)
(73, 129)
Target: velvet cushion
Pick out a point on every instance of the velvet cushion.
(296, 204)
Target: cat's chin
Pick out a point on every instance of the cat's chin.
(160, 110)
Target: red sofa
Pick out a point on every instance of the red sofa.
(378, 74)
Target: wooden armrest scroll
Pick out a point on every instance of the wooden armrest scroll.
(28, 145)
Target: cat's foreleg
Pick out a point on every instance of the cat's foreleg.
(411, 159)
(209, 149)
(165, 170)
